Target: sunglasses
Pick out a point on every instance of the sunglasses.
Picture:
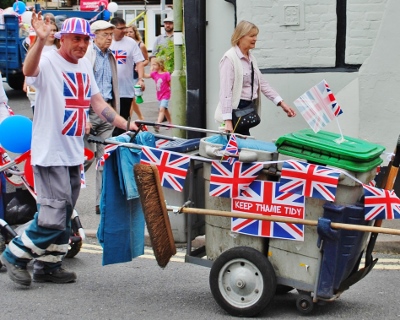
(121, 28)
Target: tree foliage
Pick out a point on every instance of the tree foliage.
(167, 53)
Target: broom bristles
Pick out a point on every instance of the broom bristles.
(155, 212)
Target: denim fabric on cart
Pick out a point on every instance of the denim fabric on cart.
(122, 224)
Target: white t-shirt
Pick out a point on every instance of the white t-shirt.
(126, 52)
(63, 92)
(31, 90)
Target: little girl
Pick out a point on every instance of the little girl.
(162, 79)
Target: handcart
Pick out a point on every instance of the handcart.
(247, 271)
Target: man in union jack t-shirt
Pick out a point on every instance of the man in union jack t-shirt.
(65, 87)
(127, 53)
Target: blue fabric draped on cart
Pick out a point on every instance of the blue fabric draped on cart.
(122, 224)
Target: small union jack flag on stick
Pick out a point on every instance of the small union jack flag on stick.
(318, 106)
(231, 149)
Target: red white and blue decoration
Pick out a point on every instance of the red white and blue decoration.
(172, 167)
(228, 180)
(108, 150)
(309, 180)
(231, 149)
(120, 56)
(380, 203)
(264, 198)
(318, 106)
(77, 100)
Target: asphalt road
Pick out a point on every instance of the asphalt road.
(141, 290)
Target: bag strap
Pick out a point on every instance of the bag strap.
(252, 80)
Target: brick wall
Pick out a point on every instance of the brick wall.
(300, 33)
(363, 22)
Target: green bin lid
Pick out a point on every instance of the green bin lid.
(352, 154)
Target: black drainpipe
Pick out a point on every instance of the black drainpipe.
(195, 44)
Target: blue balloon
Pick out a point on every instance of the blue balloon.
(19, 7)
(106, 15)
(16, 134)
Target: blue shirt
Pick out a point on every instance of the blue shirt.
(103, 73)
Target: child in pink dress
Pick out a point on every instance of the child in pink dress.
(162, 79)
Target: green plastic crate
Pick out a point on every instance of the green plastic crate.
(352, 154)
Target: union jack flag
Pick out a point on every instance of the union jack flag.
(264, 198)
(108, 150)
(336, 109)
(77, 101)
(10, 111)
(309, 180)
(318, 106)
(229, 180)
(231, 148)
(120, 56)
(380, 204)
(83, 178)
(172, 167)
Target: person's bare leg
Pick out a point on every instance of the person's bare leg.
(168, 115)
(161, 114)
(136, 109)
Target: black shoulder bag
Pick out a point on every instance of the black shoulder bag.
(246, 118)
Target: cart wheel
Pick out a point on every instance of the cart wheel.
(304, 304)
(242, 281)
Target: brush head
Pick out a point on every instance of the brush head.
(155, 212)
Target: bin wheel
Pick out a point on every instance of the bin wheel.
(242, 281)
(304, 304)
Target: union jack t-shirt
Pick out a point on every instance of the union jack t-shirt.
(63, 94)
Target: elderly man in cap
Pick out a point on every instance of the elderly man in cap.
(163, 39)
(65, 88)
(105, 73)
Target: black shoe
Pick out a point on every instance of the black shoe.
(57, 276)
(16, 273)
(97, 209)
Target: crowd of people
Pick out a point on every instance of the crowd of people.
(79, 80)
(85, 81)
